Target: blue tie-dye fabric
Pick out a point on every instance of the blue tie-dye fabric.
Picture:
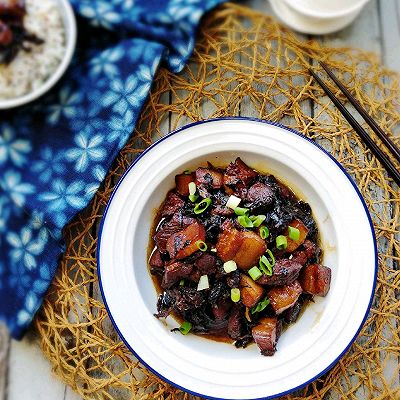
(55, 153)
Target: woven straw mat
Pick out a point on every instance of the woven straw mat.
(244, 64)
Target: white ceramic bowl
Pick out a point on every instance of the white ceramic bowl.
(69, 21)
(307, 348)
(304, 17)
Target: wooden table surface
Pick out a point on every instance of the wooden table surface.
(25, 373)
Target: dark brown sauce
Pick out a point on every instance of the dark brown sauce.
(224, 338)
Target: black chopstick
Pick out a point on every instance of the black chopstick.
(368, 119)
(393, 171)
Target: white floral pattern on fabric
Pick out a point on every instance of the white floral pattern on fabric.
(68, 106)
(49, 164)
(24, 247)
(12, 184)
(88, 148)
(105, 63)
(12, 148)
(55, 153)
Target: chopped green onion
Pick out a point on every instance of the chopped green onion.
(201, 245)
(186, 172)
(203, 283)
(233, 202)
(185, 328)
(281, 242)
(241, 211)
(271, 257)
(202, 206)
(257, 220)
(192, 188)
(235, 295)
(294, 233)
(193, 197)
(260, 306)
(264, 232)
(230, 266)
(265, 266)
(245, 221)
(182, 282)
(255, 273)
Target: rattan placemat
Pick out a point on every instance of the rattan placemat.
(244, 64)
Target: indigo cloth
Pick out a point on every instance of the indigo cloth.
(55, 153)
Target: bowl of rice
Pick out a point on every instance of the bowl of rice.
(37, 65)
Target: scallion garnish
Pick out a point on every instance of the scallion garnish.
(202, 246)
(245, 221)
(230, 266)
(185, 328)
(186, 172)
(235, 295)
(264, 232)
(202, 206)
(203, 283)
(255, 273)
(192, 188)
(257, 220)
(193, 197)
(241, 211)
(260, 306)
(233, 202)
(294, 233)
(265, 266)
(281, 242)
(182, 282)
(271, 257)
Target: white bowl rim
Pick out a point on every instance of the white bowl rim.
(70, 24)
(326, 15)
(239, 118)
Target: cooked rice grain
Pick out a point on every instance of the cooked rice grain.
(29, 70)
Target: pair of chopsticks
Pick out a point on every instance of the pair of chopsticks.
(380, 155)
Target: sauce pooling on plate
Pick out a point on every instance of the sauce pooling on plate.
(235, 255)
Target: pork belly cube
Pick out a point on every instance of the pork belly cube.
(308, 251)
(206, 264)
(156, 260)
(283, 297)
(316, 279)
(238, 177)
(235, 322)
(229, 241)
(174, 272)
(183, 243)
(260, 197)
(182, 183)
(291, 314)
(177, 223)
(172, 204)
(221, 309)
(292, 245)
(245, 247)
(209, 177)
(252, 247)
(284, 273)
(266, 335)
(250, 292)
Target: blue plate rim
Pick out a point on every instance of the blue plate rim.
(205, 121)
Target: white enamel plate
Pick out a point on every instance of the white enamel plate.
(324, 331)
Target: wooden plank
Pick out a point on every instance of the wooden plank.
(69, 394)
(365, 33)
(389, 14)
(4, 353)
(29, 374)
